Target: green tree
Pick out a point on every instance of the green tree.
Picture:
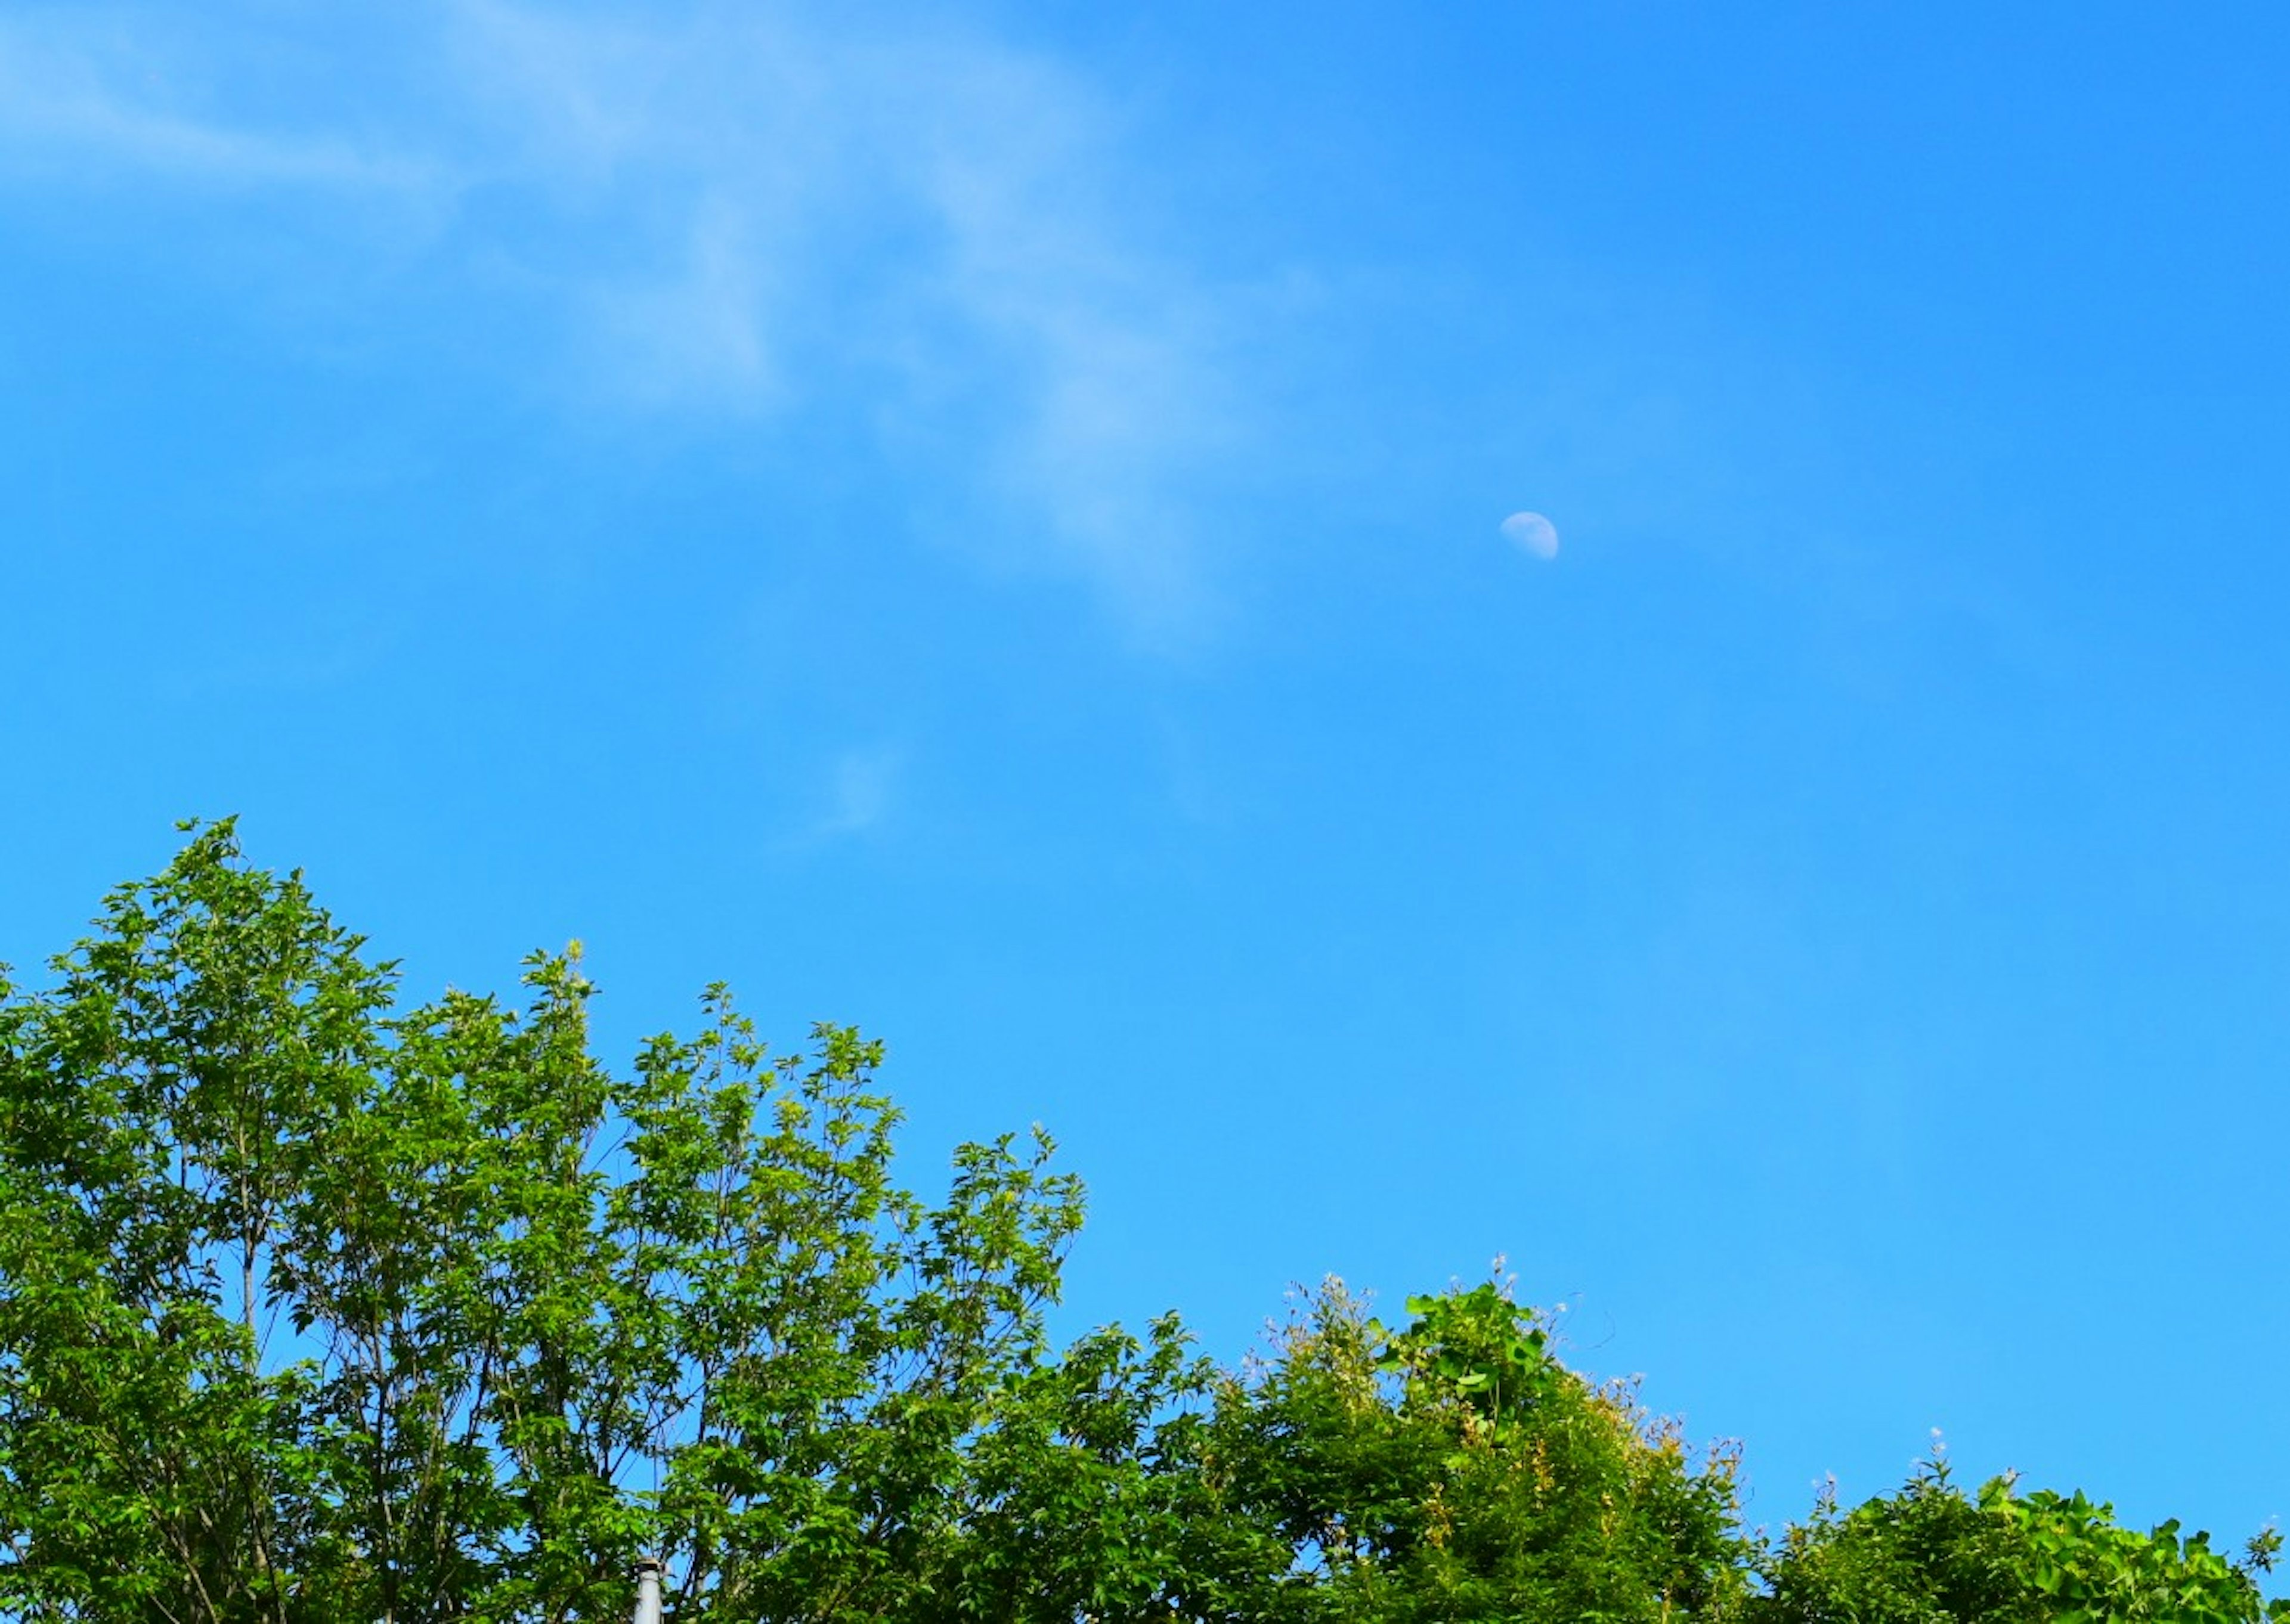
(1456, 1469)
(316, 1308)
(1931, 1554)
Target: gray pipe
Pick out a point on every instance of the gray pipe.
(648, 1590)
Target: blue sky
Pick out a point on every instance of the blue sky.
(989, 526)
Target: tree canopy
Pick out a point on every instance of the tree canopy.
(316, 1305)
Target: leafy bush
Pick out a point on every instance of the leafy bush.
(1931, 1553)
(1455, 1469)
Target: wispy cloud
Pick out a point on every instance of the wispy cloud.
(699, 331)
(745, 209)
(861, 788)
(77, 101)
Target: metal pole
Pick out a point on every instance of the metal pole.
(648, 1572)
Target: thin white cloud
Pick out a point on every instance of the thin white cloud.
(861, 789)
(74, 104)
(940, 213)
(751, 209)
(697, 332)
(1120, 351)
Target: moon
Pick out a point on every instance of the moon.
(1532, 534)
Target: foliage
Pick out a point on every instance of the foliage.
(317, 1307)
(1455, 1469)
(1931, 1553)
